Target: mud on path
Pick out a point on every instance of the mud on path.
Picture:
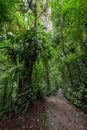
(62, 115)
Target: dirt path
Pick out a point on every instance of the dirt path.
(33, 119)
(64, 116)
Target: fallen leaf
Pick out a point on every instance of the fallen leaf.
(38, 120)
(77, 114)
(31, 126)
(23, 127)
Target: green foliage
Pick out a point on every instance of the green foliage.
(77, 96)
(24, 46)
(70, 35)
(34, 63)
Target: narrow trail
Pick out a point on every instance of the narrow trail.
(62, 115)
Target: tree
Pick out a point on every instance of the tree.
(69, 18)
(24, 38)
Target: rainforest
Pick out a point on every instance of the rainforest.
(43, 52)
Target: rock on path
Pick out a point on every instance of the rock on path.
(62, 115)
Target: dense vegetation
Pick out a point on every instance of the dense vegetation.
(35, 62)
(70, 34)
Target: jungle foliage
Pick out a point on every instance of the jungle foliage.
(34, 62)
(69, 20)
(25, 50)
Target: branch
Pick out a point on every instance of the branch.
(29, 4)
(44, 9)
(82, 42)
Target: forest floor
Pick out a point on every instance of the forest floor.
(62, 115)
(33, 119)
